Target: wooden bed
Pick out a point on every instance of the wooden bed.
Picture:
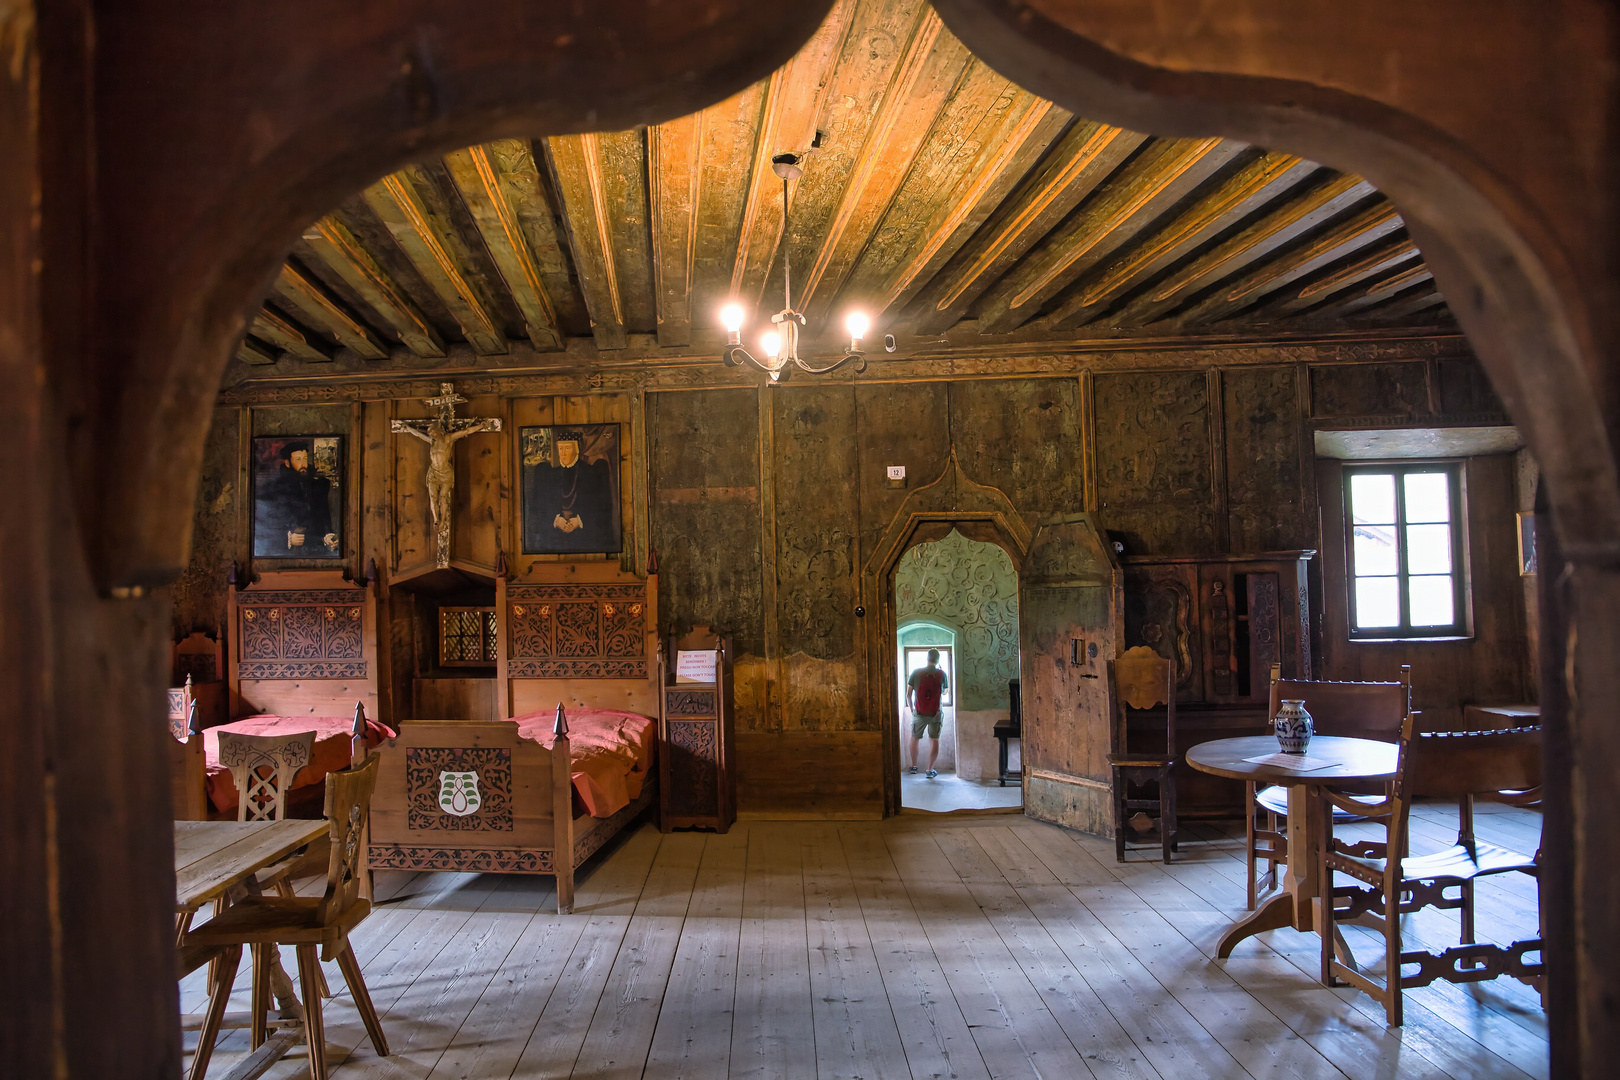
(583, 635)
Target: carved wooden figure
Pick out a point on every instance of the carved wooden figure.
(441, 434)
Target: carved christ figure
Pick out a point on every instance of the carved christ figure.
(441, 434)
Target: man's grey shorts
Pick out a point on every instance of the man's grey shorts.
(919, 724)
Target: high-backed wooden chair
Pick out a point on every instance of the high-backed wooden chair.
(1452, 765)
(1356, 710)
(263, 767)
(1142, 679)
(308, 923)
(188, 772)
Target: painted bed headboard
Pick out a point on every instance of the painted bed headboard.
(302, 643)
(585, 634)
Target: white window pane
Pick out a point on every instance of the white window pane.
(1428, 497)
(1376, 551)
(1378, 602)
(1428, 549)
(1431, 600)
(1372, 498)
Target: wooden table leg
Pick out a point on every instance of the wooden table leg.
(1271, 915)
(1294, 906)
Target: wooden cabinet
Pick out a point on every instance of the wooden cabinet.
(1224, 619)
(697, 777)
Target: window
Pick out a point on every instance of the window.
(1405, 567)
(466, 636)
(918, 658)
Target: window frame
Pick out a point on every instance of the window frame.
(1461, 625)
(490, 628)
(947, 656)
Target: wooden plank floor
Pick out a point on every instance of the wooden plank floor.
(970, 947)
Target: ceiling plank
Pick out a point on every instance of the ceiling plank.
(729, 137)
(325, 313)
(479, 176)
(1320, 287)
(426, 243)
(1294, 216)
(576, 162)
(341, 250)
(1235, 198)
(923, 78)
(1376, 291)
(789, 111)
(1403, 307)
(1339, 239)
(1073, 169)
(1159, 177)
(285, 336)
(251, 352)
(674, 174)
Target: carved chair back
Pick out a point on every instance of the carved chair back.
(263, 767)
(1358, 710)
(188, 770)
(348, 802)
(1143, 679)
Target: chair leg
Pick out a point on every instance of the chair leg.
(1392, 952)
(362, 998)
(1324, 878)
(1248, 820)
(222, 975)
(261, 993)
(1467, 912)
(1167, 814)
(1119, 816)
(314, 1025)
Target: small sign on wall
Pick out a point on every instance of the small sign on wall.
(695, 667)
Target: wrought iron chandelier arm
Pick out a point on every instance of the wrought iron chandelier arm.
(735, 355)
(859, 359)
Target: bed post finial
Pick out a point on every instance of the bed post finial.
(371, 571)
(560, 726)
(652, 561)
(357, 743)
(193, 718)
(500, 565)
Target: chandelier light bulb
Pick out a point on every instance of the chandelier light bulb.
(731, 317)
(857, 324)
(772, 343)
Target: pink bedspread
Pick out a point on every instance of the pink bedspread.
(333, 735)
(610, 753)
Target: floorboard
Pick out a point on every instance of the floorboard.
(970, 947)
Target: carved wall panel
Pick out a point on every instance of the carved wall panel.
(578, 630)
(1153, 460)
(484, 803)
(1022, 436)
(1398, 389)
(814, 479)
(1263, 491)
(308, 634)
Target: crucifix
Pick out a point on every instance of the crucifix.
(441, 434)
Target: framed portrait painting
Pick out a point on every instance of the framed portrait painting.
(298, 496)
(570, 480)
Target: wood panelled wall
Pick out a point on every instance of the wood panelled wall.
(762, 504)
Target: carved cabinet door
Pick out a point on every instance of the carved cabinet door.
(1069, 609)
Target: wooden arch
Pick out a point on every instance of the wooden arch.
(953, 501)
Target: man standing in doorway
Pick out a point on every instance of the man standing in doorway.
(924, 690)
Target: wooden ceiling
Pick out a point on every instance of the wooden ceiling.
(941, 198)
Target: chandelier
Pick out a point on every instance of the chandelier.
(781, 346)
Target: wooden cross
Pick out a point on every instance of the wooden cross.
(441, 434)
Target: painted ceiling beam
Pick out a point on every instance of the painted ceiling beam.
(1319, 288)
(1155, 180)
(340, 250)
(1339, 239)
(1238, 196)
(269, 326)
(1074, 168)
(251, 352)
(576, 162)
(322, 311)
(1292, 217)
(426, 242)
(675, 195)
(1377, 291)
(482, 175)
(1405, 306)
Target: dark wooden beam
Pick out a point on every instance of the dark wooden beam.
(287, 337)
(251, 352)
(1158, 178)
(321, 310)
(1335, 279)
(426, 241)
(483, 175)
(342, 251)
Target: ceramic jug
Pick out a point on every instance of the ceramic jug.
(1294, 727)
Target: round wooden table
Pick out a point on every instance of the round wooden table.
(1330, 760)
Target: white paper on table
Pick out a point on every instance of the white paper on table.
(1296, 762)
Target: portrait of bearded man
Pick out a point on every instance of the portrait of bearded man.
(295, 486)
(570, 480)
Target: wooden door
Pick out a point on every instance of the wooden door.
(1070, 615)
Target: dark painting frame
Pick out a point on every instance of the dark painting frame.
(291, 504)
(570, 508)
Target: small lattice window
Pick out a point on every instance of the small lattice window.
(466, 636)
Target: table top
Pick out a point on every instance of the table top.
(211, 856)
(1345, 759)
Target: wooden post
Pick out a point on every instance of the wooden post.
(562, 812)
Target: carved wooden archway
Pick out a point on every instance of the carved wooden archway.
(952, 501)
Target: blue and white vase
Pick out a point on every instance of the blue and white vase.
(1294, 727)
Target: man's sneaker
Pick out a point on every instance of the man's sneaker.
(912, 769)
(932, 773)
